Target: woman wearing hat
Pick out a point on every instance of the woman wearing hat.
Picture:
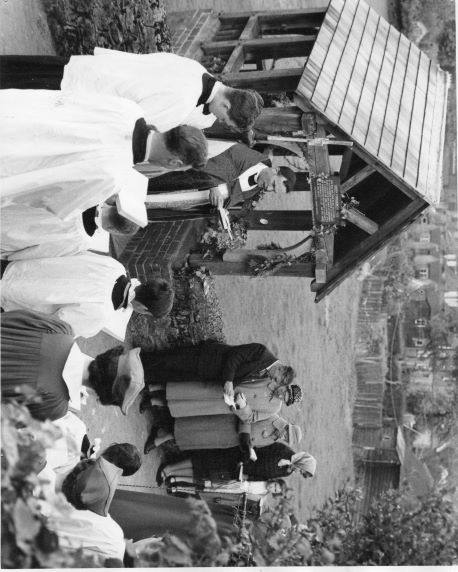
(89, 488)
(274, 461)
(40, 357)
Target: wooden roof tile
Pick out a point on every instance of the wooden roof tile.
(380, 89)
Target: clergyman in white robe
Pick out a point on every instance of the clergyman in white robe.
(166, 86)
(28, 232)
(76, 289)
(66, 153)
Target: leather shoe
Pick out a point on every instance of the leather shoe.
(149, 443)
(144, 404)
(159, 475)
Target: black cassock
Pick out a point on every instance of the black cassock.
(223, 168)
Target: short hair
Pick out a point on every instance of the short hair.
(188, 144)
(119, 224)
(290, 177)
(69, 484)
(103, 370)
(246, 105)
(157, 295)
(125, 456)
(287, 374)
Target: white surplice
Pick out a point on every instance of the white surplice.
(166, 86)
(77, 289)
(65, 152)
(96, 534)
(28, 232)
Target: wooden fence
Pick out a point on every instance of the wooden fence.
(371, 356)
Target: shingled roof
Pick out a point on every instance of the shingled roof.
(375, 85)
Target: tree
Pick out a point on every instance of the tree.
(401, 530)
(447, 45)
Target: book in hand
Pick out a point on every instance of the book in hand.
(132, 207)
(225, 222)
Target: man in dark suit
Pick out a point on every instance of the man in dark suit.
(233, 177)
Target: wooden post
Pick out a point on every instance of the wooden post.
(277, 21)
(273, 120)
(262, 48)
(267, 81)
(279, 220)
(362, 221)
(357, 178)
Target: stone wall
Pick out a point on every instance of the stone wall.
(153, 249)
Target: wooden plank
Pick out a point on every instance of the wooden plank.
(218, 48)
(374, 132)
(267, 81)
(279, 220)
(405, 116)
(251, 29)
(344, 266)
(392, 117)
(345, 165)
(276, 48)
(277, 21)
(428, 126)
(359, 72)
(357, 178)
(363, 114)
(342, 79)
(378, 165)
(412, 159)
(279, 120)
(218, 267)
(236, 59)
(225, 35)
(361, 221)
(319, 62)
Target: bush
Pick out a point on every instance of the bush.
(138, 26)
(27, 542)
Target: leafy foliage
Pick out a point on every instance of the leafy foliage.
(447, 45)
(401, 530)
(77, 26)
(27, 542)
(215, 240)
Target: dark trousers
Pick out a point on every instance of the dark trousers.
(32, 72)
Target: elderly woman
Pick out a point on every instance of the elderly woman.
(219, 465)
(39, 356)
